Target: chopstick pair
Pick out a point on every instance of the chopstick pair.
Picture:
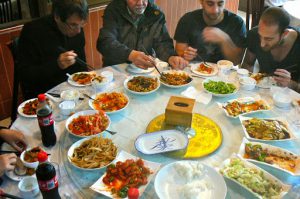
(6, 195)
(58, 95)
(80, 61)
(154, 56)
(7, 151)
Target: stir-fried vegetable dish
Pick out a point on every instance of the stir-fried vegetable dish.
(30, 107)
(110, 102)
(205, 69)
(31, 155)
(83, 78)
(175, 78)
(219, 87)
(236, 108)
(142, 84)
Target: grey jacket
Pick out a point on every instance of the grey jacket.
(119, 36)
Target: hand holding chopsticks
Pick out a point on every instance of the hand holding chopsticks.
(153, 56)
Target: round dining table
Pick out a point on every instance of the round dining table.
(133, 121)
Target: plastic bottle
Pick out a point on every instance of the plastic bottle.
(46, 122)
(46, 177)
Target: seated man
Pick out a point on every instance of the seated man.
(276, 48)
(211, 33)
(48, 47)
(134, 31)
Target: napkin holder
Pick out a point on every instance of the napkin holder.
(179, 111)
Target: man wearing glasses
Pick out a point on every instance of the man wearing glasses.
(135, 31)
(48, 47)
(211, 33)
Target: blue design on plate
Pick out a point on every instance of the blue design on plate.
(163, 144)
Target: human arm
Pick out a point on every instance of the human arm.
(185, 51)
(7, 162)
(283, 78)
(14, 138)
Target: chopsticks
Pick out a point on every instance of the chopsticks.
(205, 63)
(7, 151)
(58, 95)
(153, 57)
(3, 194)
(80, 61)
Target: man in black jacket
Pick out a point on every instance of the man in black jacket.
(135, 31)
(48, 47)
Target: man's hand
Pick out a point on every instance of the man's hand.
(283, 77)
(141, 60)
(189, 53)
(214, 35)
(7, 162)
(66, 59)
(178, 62)
(15, 138)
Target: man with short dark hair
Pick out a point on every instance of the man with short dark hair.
(48, 47)
(276, 46)
(211, 32)
(135, 31)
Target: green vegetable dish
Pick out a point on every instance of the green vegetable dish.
(251, 178)
(219, 87)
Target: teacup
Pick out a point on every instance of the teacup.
(224, 67)
(28, 187)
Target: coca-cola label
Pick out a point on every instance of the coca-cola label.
(46, 121)
(49, 184)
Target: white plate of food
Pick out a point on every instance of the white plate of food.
(252, 178)
(220, 87)
(189, 179)
(92, 153)
(204, 70)
(136, 70)
(175, 79)
(28, 107)
(161, 142)
(142, 85)
(267, 129)
(263, 80)
(146, 170)
(87, 123)
(276, 157)
(241, 106)
(112, 102)
(81, 78)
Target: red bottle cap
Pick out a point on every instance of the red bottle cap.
(41, 97)
(42, 156)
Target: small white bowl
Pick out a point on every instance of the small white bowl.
(224, 67)
(100, 84)
(108, 75)
(282, 100)
(242, 72)
(32, 165)
(247, 83)
(67, 107)
(28, 187)
(70, 95)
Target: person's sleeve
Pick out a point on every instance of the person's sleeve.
(163, 45)
(108, 44)
(182, 30)
(240, 34)
(29, 51)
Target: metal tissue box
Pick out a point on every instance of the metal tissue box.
(179, 111)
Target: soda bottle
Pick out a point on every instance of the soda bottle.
(46, 177)
(46, 122)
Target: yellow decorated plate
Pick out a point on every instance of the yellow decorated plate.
(208, 136)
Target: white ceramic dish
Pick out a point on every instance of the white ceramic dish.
(268, 176)
(100, 187)
(290, 132)
(141, 93)
(109, 112)
(161, 142)
(84, 113)
(67, 107)
(20, 108)
(247, 83)
(243, 100)
(175, 72)
(272, 149)
(70, 95)
(108, 74)
(195, 66)
(168, 182)
(29, 187)
(242, 72)
(99, 85)
(76, 145)
(282, 100)
(266, 82)
(133, 69)
(73, 83)
(32, 165)
(217, 79)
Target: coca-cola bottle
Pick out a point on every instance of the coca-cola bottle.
(46, 177)
(46, 122)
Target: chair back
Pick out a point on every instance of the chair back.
(254, 10)
(7, 13)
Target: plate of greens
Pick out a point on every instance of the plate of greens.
(220, 87)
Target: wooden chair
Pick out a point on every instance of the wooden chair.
(7, 13)
(254, 8)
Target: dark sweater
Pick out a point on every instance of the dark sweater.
(38, 54)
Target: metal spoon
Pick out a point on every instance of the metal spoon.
(111, 132)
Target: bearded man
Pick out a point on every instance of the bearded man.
(276, 46)
(212, 32)
(134, 31)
